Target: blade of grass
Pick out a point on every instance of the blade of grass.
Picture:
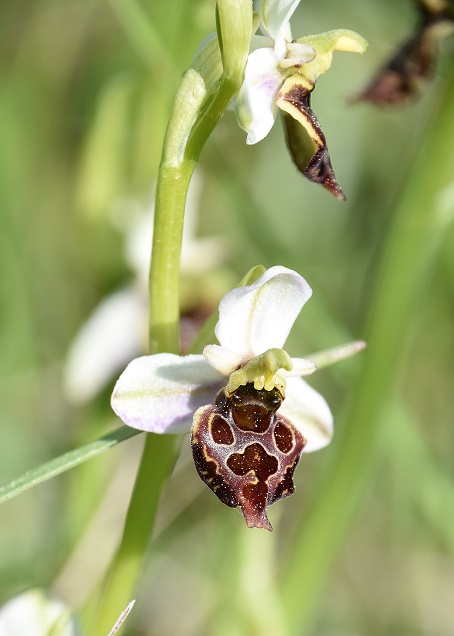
(420, 222)
(64, 462)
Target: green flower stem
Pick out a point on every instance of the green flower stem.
(205, 92)
(157, 460)
(171, 193)
(173, 183)
(420, 222)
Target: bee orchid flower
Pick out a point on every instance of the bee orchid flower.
(35, 613)
(281, 73)
(249, 411)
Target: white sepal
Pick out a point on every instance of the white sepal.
(259, 317)
(114, 334)
(160, 393)
(308, 411)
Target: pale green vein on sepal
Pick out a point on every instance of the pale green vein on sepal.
(64, 462)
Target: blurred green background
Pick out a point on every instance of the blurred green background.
(85, 92)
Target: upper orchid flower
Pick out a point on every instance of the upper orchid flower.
(251, 414)
(282, 72)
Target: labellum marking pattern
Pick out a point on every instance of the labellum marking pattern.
(245, 452)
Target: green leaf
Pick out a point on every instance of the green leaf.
(64, 462)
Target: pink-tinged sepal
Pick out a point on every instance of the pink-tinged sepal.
(160, 393)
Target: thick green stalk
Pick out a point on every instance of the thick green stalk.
(420, 221)
(204, 94)
(171, 192)
(157, 461)
(173, 183)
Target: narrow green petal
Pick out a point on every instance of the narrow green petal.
(325, 44)
(331, 356)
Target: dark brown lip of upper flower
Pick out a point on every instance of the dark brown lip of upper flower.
(309, 150)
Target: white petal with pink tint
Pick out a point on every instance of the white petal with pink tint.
(256, 104)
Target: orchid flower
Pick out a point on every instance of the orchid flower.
(413, 63)
(117, 329)
(244, 399)
(34, 613)
(282, 72)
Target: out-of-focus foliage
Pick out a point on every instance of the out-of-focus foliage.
(85, 91)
